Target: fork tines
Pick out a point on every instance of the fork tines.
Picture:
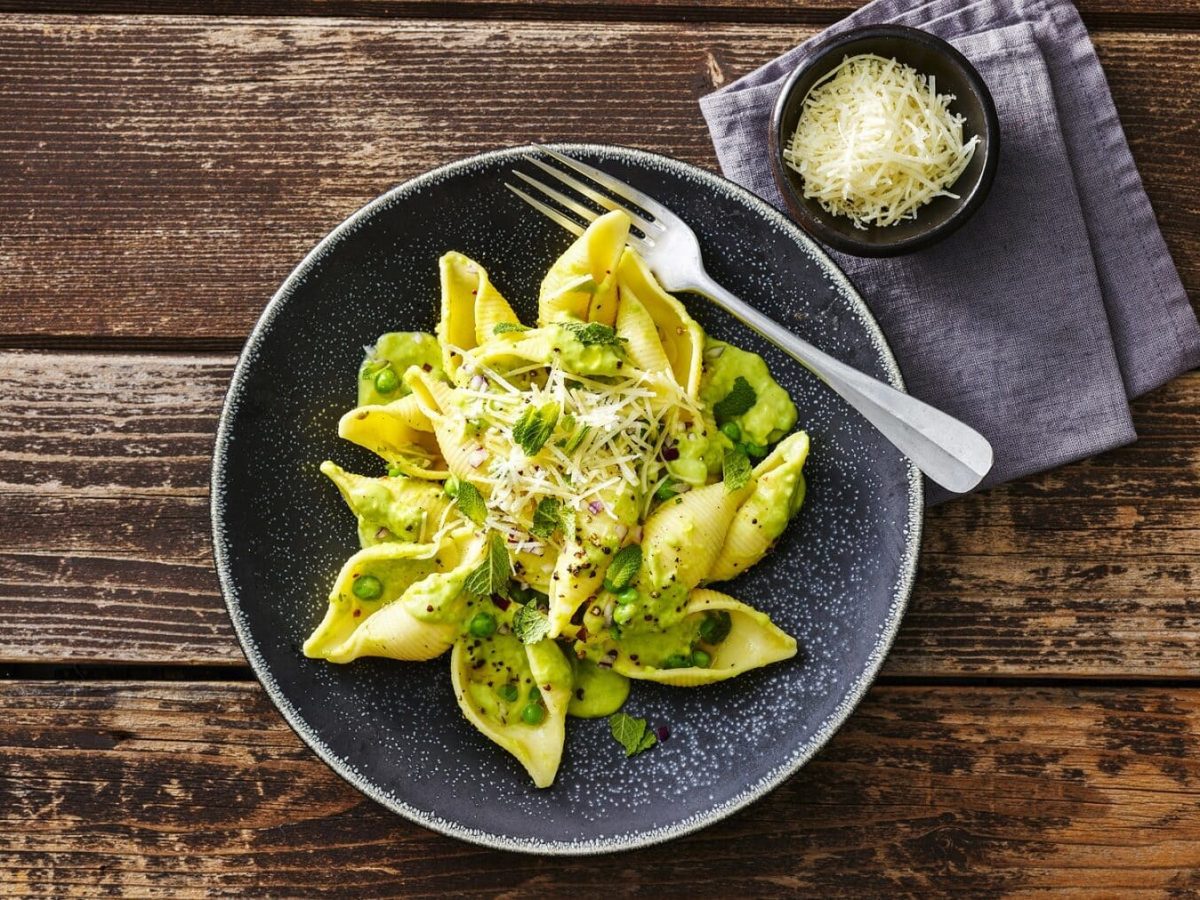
(639, 207)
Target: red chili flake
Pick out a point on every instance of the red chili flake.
(582, 634)
(670, 454)
(357, 613)
(501, 602)
(663, 733)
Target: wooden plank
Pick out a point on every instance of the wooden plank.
(1096, 13)
(162, 175)
(161, 790)
(1088, 571)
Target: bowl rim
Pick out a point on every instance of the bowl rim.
(883, 640)
(968, 205)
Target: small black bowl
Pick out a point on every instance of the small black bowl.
(930, 56)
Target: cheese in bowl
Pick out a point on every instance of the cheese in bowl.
(875, 142)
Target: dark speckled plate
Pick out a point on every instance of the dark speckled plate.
(838, 580)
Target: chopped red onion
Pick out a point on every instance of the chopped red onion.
(477, 457)
(595, 507)
(636, 534)
(663, 733)
(621, 530)
(478, 383)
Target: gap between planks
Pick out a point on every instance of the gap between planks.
(1097, 14)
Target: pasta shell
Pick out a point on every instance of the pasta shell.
(387, 432)
(471, 308)
(582, 282)
(682, 538)
(537, 747)
(682, 338)
(396, 566)
(640, 334)
(389, 509)
(753, 641)
(778, 493)
(436, 400)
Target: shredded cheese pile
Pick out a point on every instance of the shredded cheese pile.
(626, 422)
(875, 142)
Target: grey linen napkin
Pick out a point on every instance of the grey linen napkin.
(1058, 302)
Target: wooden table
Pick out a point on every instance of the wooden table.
(1037, 725)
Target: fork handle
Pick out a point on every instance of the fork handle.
(954, 455)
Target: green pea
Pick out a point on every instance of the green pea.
(623, 615)
(629, 595)
(700, 659)
(451, 487)
(715, 627)
(533, 714)
(731, 431)
(676, 661)
(386, 381)
(483, 625)
(507, 692)
(754, 449)
(368, 587)
(665, 491)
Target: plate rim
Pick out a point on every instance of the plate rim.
(902, 590)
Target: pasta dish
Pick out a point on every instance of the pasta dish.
(559, 497)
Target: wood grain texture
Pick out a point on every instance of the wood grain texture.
(192, 790)
(1096, 13)
(162, 175)
(1088, 571)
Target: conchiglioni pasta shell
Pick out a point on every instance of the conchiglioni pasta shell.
(397, 565)
(594, 254)
(684, 535)
(778, 479)
(537, 747)
(410, 574)
(637, 328)
(413, 506)
(682, 338)
(471, 308)
(753, 641)
(386, 432)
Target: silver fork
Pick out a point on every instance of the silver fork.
(954, 455)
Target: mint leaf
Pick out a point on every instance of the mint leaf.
(530, 624)
(593, 333)
(547, 518)
(470, 502)
(739, 400)
(572, 444)
(535, 426)
(623, 568)
(735, 469)
(631, 733)
(508, 327)
(493, 573)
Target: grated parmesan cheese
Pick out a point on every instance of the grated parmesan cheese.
(628, 420)
(875, 142)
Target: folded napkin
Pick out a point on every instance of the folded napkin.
(1058, 301)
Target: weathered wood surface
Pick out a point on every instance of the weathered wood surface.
(165, 790)
(105, 557)
(1096, 13)
(161, 175)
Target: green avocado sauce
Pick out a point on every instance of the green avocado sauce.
(500, 681)
(596, 692)
(380, 377)
(773, 414)
(586, 359)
